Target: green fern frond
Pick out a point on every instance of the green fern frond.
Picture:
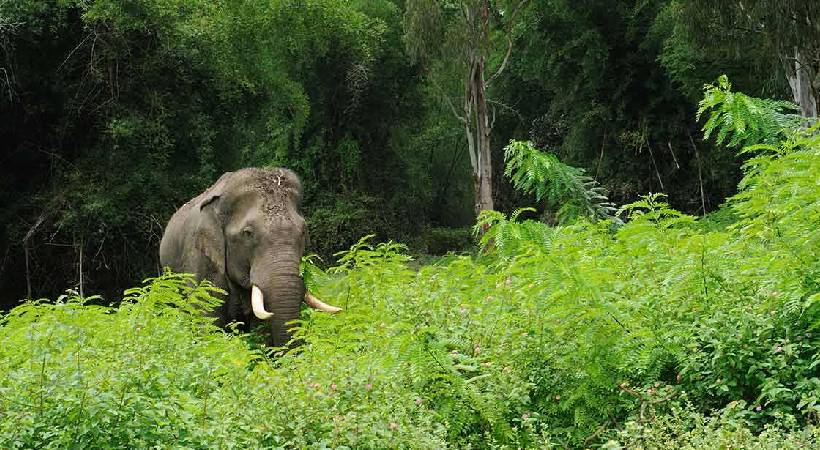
(737, 120)
(565, 189)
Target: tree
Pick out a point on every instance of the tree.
(464, 37)
(786, 32)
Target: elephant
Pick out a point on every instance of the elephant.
(247, 236)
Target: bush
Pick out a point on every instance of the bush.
(685, 429)
(155, 372)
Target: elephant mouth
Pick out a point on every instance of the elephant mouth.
(258, 304)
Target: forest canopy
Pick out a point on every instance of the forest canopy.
(113, 114)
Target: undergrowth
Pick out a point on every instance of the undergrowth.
(668, 331)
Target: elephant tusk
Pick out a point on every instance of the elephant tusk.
(315, 303)
(258, 304)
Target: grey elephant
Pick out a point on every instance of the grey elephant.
(247, 236)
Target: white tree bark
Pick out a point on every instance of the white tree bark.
(800, 81)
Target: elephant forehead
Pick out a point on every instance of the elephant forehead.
(278, 202)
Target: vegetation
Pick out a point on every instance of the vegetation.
(666, 331)
(659, 288)
(394, 113)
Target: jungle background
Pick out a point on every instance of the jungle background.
(114, 113)
(549, 223)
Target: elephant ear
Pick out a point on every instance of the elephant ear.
(209, 237)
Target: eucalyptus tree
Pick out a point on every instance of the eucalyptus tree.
(783, 32)
(465, 45)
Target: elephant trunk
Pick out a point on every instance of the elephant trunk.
(282, 293)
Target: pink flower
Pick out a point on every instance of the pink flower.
(368, 386)
(778, 349)
(333, 386)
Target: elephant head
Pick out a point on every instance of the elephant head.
(246, 234)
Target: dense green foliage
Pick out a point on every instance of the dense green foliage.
(114, 113)
(568, 191)
(668, 331)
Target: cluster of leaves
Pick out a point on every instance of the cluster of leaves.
(748, 120)
(568, 190)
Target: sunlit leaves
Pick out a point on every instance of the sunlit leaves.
(739, 120)
(566, 189)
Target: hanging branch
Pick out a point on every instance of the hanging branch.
(509, 45)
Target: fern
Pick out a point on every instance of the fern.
(566, 189)
(507, 235)
(739, 120)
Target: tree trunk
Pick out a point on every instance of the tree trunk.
(483, 128)
(802, 89)
(479, 125)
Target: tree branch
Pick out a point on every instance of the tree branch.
(503, 63)
(509, 44)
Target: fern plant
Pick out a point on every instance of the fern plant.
(739, 120)
(564, 188)
(506, 234)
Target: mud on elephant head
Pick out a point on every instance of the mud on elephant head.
(247, 236)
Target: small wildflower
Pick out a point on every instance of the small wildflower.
(778, 349)
(758, 408)
(368, 386)
(393, 425)
(333, 386)
(557, 398)
(525, 416)
(477, 349)
(419, 401)
(463, 310)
